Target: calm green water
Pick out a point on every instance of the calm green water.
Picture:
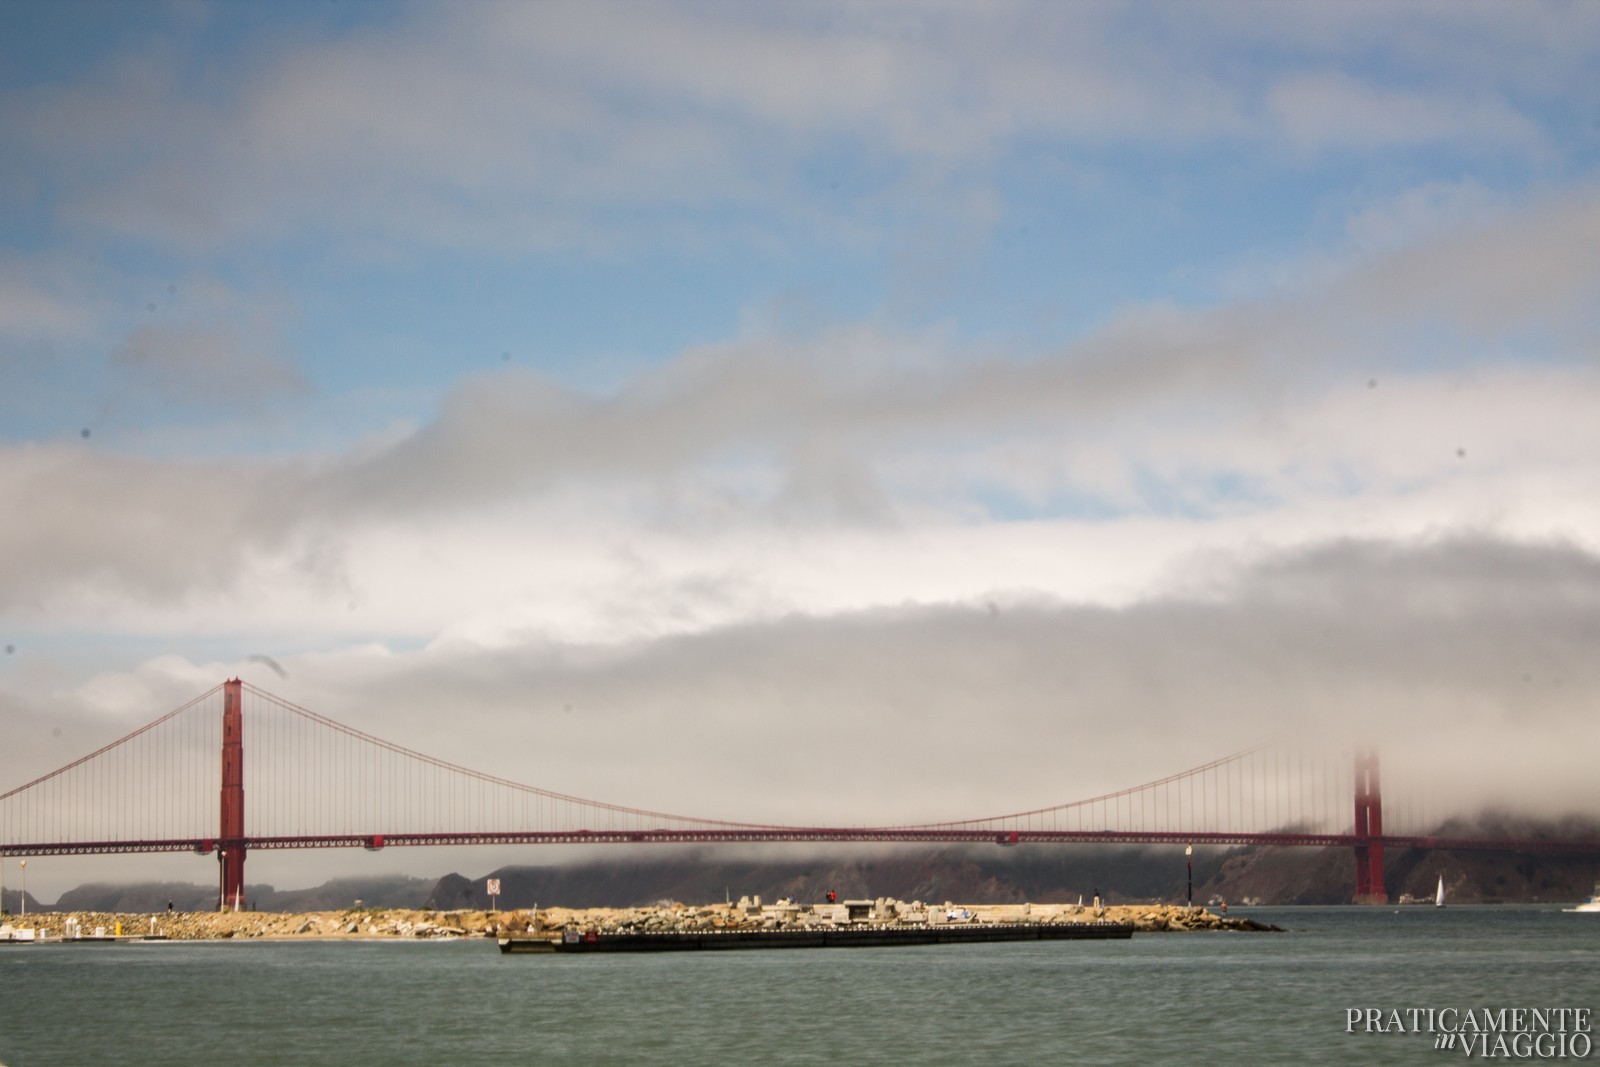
(1161, 998)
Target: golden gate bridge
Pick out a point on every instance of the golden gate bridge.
(178, 784)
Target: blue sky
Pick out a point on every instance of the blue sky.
(392, 340)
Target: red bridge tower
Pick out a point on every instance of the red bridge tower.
(230, 841)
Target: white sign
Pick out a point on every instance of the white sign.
(494, 887)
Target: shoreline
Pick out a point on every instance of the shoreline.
(388, 924)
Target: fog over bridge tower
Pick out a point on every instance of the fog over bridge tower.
(1369, 831)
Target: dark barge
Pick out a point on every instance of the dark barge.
(837, 937)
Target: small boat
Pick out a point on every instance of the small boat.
(1438, 895)
(1590, 905)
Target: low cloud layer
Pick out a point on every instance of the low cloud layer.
(1468, 661)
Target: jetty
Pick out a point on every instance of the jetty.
(663, 917)
(867, 936)
(880, 923)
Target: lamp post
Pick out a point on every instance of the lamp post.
(24, 889)
(1188, 861)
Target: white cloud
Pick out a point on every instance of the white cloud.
(526, 127)
(1333, 110)
(1428, 211)
(1256, 411)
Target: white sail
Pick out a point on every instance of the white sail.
(1438, 896)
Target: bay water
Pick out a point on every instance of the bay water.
(1224, 997)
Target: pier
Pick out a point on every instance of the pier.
(874, 936)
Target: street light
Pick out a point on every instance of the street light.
(24, 889)
(1188, 852)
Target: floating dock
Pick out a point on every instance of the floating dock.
(83, 939)
(841, 937)
(74, 935)
(108, 939)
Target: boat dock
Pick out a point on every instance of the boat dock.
(88, 939)
(74, 935)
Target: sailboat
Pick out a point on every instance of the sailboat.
(1438, 896)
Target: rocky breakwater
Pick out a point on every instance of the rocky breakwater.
(751, 915)
(217, 926)
(745, 915)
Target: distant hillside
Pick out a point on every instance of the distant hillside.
(137, 897)
(969, 874)
(980, 875)
(11, 902)
(1045, 875)
(1327, 876)
(392, 891)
